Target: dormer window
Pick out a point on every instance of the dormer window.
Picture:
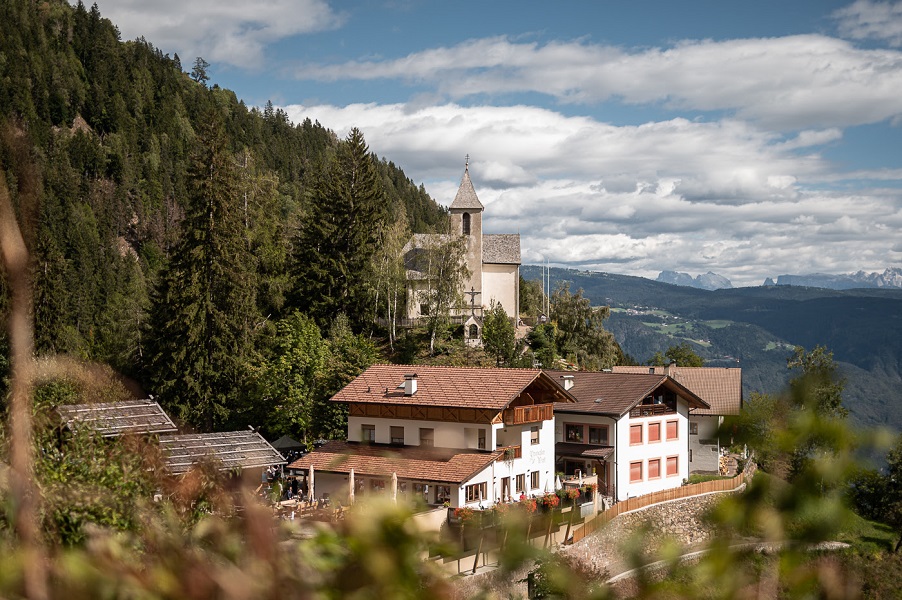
(465, 223)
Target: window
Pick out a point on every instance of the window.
(397, 435)
(636, 434)
(476, 492)
(672, 430)
(654, 433)
(573, 433)
(480, 439)
(598, 435)
(505, 488)
(636, 471)
(673, 465)
(534, 435)
(427, 436)
(474, 331)
(442, 494)
(368, 433)
(693, 428)
(465, 223)
(424, 310)
(521, 483)
(654, 468)
(534, 480)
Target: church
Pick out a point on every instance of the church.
(493, 260)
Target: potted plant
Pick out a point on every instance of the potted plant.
(572, 494)
(464, 514)
(550, 501)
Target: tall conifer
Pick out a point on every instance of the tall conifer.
(204, 312)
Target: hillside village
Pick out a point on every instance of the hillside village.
(246, 358)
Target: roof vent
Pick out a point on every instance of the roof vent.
(598, 401)
(568, 381)
(410, 384)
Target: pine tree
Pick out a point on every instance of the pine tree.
(335, 247)
(204, 312)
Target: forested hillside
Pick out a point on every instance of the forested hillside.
(756, 328)
(168, 223)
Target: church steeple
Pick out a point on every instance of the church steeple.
(466, 198)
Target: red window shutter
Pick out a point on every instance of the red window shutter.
(654, 433)
(636, 471)
(654, 468)
(672, 431)
(673, 465)
(635, 434)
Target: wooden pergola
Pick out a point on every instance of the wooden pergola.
(231, 449)
(113, 419)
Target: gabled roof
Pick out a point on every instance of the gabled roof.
(111, 419)
(466, 195)
(501, 248)
(721, 387)
(452, 387)
(232, 449)
(614, 394)
(408, 462)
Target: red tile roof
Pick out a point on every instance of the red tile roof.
(618, 392)
(458, 387)
(409, 462)
(721, 387)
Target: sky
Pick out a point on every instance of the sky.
(749, 139)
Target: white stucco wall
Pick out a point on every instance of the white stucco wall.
(500, 284)
(705, 457)
(447, 435)
(627, 453)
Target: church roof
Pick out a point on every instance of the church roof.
(466, 194)
(503, 248)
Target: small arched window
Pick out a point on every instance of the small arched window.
(465, 222)
(474, 331)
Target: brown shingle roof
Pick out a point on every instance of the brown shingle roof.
(455, 387)
(466, 195)
(583, 450)
(501, 248)
(721, 387)
(409, 462)
(617, 392)
(233, 449)
(111, 419)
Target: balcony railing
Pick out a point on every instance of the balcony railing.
(511, 453)
(651, 410)
(528, 414)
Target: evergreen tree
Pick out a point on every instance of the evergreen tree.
(339, 237)
(499, 336)
(204, 312)
(581, 333)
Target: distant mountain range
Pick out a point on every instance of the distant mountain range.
(757, 327)
(890, 278)
(708, 281)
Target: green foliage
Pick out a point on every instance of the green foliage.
(680, 354)
(441, 261)
(340, 235)
(580, 331)
(532, 298)
(499, 336)
(818, 383)
(542, 341)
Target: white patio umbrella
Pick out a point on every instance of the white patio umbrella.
(580, 479)
(310, 483)
(351, 486)
(394, 487)
(557, 483)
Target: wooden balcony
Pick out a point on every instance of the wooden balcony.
(528, 414)
(652, 410)
(511, 453)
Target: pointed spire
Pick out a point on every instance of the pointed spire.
(466, 195)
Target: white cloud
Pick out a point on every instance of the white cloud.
(864, 19)
(228, 31)
(680, 195)
(793, 82)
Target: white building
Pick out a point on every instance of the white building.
(632, 430)
(464, 436)
(721, 388)
(492, 259)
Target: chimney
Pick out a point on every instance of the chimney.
(410, 384)
(669, 370)
(568, 382)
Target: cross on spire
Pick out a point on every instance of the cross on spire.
(467, 163)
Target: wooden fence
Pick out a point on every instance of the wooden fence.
(686, 491)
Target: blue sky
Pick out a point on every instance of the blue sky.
(747, 139)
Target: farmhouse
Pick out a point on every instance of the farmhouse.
(721, 388)
(632, 430)
(461, 436)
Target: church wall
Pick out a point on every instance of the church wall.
(500, 283)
